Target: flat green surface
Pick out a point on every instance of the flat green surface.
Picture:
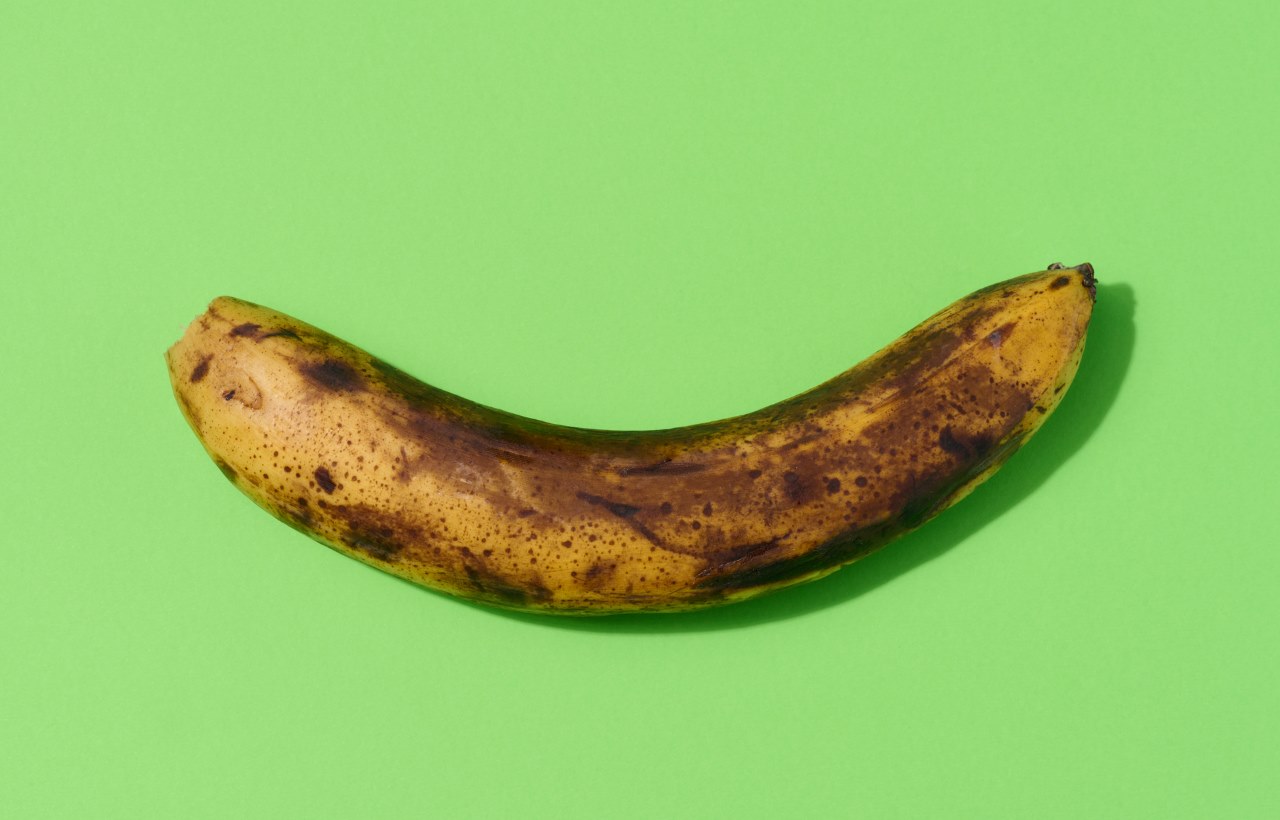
(641, 215)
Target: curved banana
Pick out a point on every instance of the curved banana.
(522, 514)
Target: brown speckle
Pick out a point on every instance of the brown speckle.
(1060, 282)
(861, 481)
(246, 329)
(325, 480)
(833, 486)
(753, 474)
(229, 395)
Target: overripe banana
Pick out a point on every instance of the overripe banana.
(522, 514)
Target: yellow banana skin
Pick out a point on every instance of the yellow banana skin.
(526, 515)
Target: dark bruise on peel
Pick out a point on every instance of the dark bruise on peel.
(667, 467)
(733, 559)
(254, 331)
(374, 532)
(794, 486)
(333, 374)
(617, 508)
(498, 589)
(947, 441)
(324, 480)
(1001, 334)
(624, 511)
(297, 515)
(840, 550)
(377, 544)
(598, 574)
(202, 368)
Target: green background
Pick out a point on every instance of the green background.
(641, 215)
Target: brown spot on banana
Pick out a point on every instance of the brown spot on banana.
(324, 480)
(332, 374)
(524, 514)
(201, 369)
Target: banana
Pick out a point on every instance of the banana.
(526, 515)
